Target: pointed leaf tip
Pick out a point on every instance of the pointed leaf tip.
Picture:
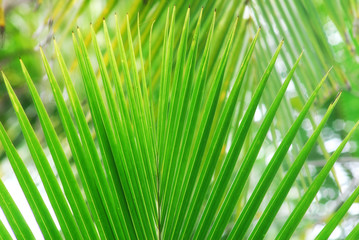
(300, 55)
(326, 75)
(336, 99)
(356, 124)
(41, 51)
(5, 79)
(257, 33)
(338, 96)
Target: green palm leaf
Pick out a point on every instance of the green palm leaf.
(161, 143)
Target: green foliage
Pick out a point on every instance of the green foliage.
(164, 145)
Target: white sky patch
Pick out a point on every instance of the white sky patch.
(260, 111)
(332, 144)
(291, 88)
(334, 39)
(337, 233)
(354, 209)
(333, 34)
(307, 126)
(247, 13)
(258, 115)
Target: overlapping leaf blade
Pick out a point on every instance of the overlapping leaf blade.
(71, 188)
(338, 216)
(304, 203)
(57, 198)
(285, 185)
(263, 184)
(13, 215)
(156, 149)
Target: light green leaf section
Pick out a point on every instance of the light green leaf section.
(145, 182)
(100, 120)
(216, 147)
(189, 125)
(123, 132)
(5, 235)
(279, 196)
(41, 213)
(241, 177)
(64, 215)
(354, 234)
(176, 130)
(171, 129)
(200, 142)
(165, 80)
(246, 217)
(84, 160)
(142, 182)
(338, 216)
(71, 188)
(304, 203)
(13, 216)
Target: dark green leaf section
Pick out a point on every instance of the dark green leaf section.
(202, 137)
(189, 126)
(241, 177)
(216, 145)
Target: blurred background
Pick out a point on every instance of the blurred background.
(327, 31)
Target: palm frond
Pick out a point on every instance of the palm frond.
(166, 159)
